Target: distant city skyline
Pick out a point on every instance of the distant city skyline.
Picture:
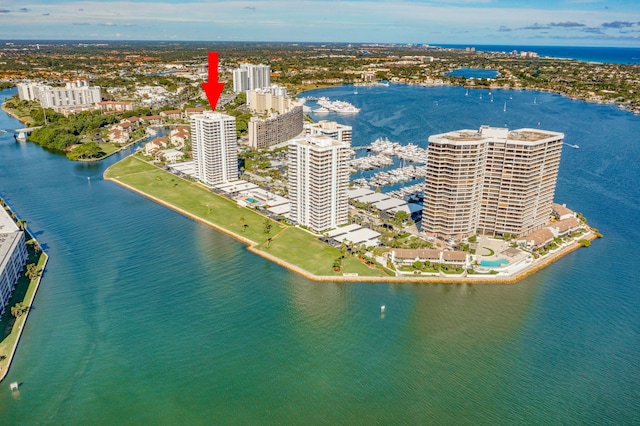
(508, 22)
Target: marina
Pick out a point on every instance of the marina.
(409, 152)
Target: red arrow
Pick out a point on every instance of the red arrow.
(213, 88)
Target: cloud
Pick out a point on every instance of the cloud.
(24, 10)
(108, 24)
(617, 24)
(567, 24)
(5, 11)
(536, 26)
(593, 30)
(504, 29)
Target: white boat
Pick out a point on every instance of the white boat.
(321, 110)
(505, 107)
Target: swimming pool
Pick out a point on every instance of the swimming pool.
(494, 263)
(251, 200)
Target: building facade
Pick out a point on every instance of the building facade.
(336, 131)
(250, 77)
(215, 150)
(268, 100)
(490, 181)
(75, 94)
(318, 182)
(266, 132)
(13, 257)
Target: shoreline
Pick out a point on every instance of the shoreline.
(10, 113)
(21, 321)
(252, 246)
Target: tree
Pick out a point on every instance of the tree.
(337, 263)
(400, 217)
(86, 151)
(242, 222)
(18, 309)
(267, 226)
(32, 271)
(34, 244)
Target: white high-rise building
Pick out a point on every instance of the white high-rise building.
(490, 181)
(75, 94)
(215, 149)
(13, 257)
(318, 181)
(339, 132)
(250, 77)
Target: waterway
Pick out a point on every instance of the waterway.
(144, 316)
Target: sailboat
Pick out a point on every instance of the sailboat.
(505, 107)
(491, 98)
(467, 94)
(534, 100)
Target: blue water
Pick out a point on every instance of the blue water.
(615, 55)
(498, 262)
(473, 73)
(147, 317)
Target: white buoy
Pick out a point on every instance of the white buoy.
(382, 308)
(13, 386)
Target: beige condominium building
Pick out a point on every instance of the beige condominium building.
(215, 150)
(491, 181)
(318, 181)
(278, 119)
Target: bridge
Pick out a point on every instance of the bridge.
(24, 132)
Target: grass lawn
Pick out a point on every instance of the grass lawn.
(292, 245)
(192, 198)
(108, 148)
(10, 326)
(302, 249)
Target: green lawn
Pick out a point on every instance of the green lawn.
(192, 198)
(10, 326)
(293, 245)
(304, 250)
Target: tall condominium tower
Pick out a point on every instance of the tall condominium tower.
(490, 181)
(250, 77)
(318, 181)
(215, 151)
(332, 129)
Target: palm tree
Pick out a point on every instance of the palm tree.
(242, 222)
(32, 271)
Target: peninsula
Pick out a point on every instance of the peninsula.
(308, 254)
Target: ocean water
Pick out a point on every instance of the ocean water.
(147, 317)
(614, 55)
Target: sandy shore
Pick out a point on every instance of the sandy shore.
(471, 279)
(12, 114)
